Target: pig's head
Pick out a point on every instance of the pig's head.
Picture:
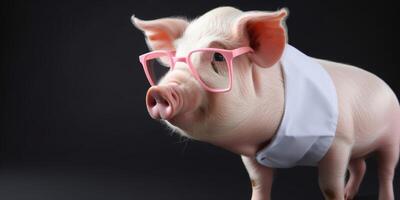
(245, 117)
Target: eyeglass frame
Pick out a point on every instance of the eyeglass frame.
(229, 55)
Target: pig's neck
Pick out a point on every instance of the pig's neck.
(263, 121)
(271, 107)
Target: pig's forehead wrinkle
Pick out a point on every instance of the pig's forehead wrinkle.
(213, 26)
(184, 46)
(215, 22)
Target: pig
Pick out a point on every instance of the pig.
(246, 118)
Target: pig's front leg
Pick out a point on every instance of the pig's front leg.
(261, 178)
(332, 170)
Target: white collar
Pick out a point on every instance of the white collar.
(310, 115)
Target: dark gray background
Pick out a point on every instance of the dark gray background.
(74, 123)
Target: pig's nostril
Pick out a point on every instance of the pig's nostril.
(158, 99)
(152, 102)
(162, 102)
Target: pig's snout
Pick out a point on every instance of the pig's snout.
(163, 101)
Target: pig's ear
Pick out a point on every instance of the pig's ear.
(161, 33)
(266, 34)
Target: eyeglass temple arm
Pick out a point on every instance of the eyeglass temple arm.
(156, 54)
(241, 51)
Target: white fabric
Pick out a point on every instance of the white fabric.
(310, 115)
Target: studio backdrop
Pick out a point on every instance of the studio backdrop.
(74, 123)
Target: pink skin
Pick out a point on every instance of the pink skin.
(369, 113)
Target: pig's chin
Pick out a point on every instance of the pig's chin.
(187, 124)
(176, 129)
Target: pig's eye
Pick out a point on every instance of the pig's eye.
(216, 61)
(217, 57)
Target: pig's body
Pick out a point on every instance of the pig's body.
(245, 119)
(368, 109)
(369, 121)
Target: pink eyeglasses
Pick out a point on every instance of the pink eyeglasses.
(212, 67)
